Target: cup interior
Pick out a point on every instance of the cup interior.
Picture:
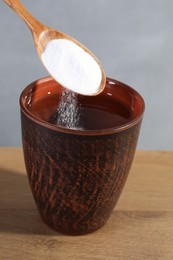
(116, 96)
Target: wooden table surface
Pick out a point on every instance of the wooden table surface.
(140, 227)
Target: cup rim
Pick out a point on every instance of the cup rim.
(59, 128)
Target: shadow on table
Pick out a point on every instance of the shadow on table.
(18, 213)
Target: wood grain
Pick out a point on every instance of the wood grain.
(141, 226)
(34, 25)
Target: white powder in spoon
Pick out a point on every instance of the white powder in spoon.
(72, 67)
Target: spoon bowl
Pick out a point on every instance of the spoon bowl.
(43, 34)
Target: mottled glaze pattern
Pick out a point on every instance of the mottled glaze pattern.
(76, 180)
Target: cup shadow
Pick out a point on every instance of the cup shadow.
(18, 212)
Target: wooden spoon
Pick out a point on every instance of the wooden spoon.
(42, 35)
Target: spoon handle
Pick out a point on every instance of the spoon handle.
(34, 25)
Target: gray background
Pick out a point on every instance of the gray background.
(132, 38)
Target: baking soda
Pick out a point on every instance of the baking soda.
(68, 112)
(72, 67)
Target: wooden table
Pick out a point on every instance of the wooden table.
(141, 226)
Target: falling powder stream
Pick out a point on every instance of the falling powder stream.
(68, 111)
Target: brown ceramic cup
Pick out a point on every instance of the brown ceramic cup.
(77, 176)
